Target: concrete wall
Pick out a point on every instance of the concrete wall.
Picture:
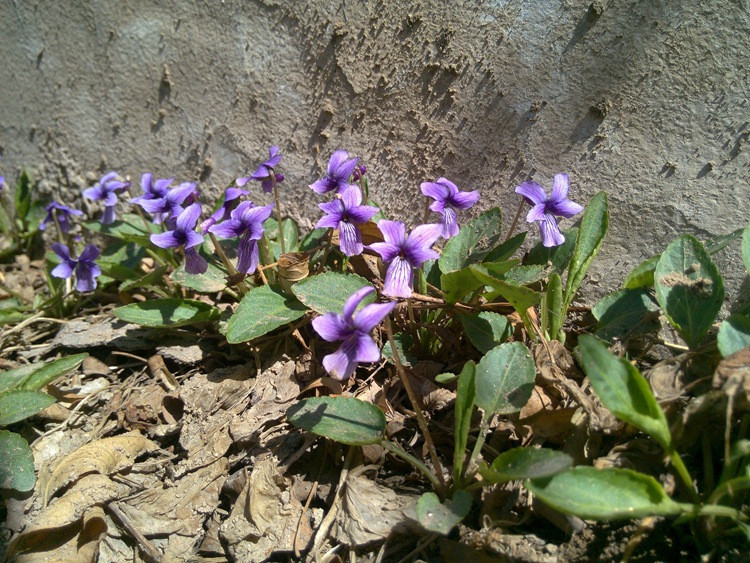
(645, 99)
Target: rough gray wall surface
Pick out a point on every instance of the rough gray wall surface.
(645, 99)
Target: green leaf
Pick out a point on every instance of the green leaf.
(51, 371)
(122, 253)
(343, 419)
(22, 196)
(506, 249)
(212, 280)
(623, 390)
(291, 235)
(722, 241)
(16, 462)
(473, 242)
(445, 378)
(734, 334)
(152, 278)
(312, 239)
(688, 288)
(326, 293)
(505, 379)
(746, 247)
(520, 297)
(13, 378)
(463, 409)
(404, 342)
(19, 404)
(520, 275)
(553, 308)
(604, 494)
(262, 310)
(558, 256)
(526, 463)
(131, 228)
(642, 275)
(441, 518)
(457, 285)
(624, 313)
(486, 330)
(171, 312)
(593, 227)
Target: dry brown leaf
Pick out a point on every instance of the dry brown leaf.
(105, 456)
(733, 377)
(264, 517)
(370, 511)
(62, 520)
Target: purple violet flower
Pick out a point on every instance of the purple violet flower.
(357, 346)
(63, 216)
(2, 182)
(448, 198)
(152, 189)
(344, 213)
(106, 191)
(403, 254)
(231, 200)
(84, 267)
(184, 235)
(170, 205)
(545, 208)
(339, 171)
(245, 222)
(265, 171)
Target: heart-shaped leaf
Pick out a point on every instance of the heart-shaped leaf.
(624, 313)
(473, 243)
(326, 293)
(486, 330)
(505, 379)
(688, 288)
(262, 310)
(441, 518)
(343, 419)
(734, 334)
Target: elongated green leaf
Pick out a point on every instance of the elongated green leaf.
(558, 256)
(486, 330)
(746, 247)
(526, 463)
(473, 242)
(18, 404)
(463, 409)
(594, 226)
(262, 310)
(520, 275)
(605, 494)
(722, 241)
(441, 518)
(51, 371)
(16, 462)
(150, 279)
(688, 288)
(131, 228)
(506, 249)
(125, 254)
(457, 285)
(22, 196)
(505, 379)
(734, 334)
(14, 377)
(552, 308)
(520, 297)
(171, 312)
(343, 419)
(623, 390)
(328, 292)
(404, 342)
(624, 313)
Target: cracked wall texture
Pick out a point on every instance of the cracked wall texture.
(645, 99)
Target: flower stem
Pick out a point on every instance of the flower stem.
(278, 212)
(682, 471)
(417, 409)
(515, 220)
(397, 450)
(60, 237)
